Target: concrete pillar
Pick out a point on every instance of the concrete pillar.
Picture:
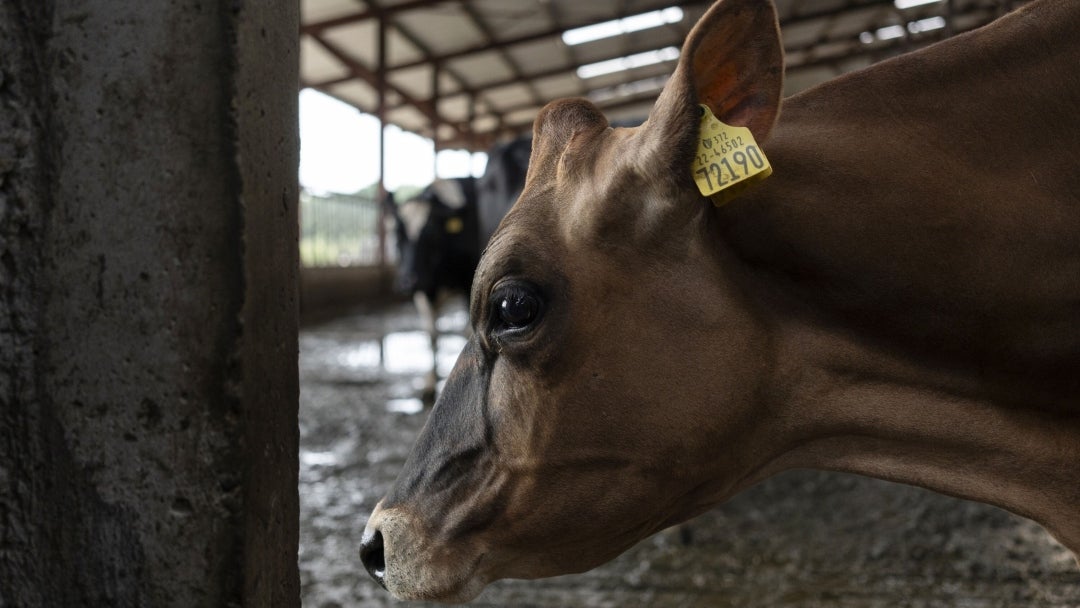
(148, 259)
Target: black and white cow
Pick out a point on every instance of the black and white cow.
(438, 242)
(442, 231)
(503, 181)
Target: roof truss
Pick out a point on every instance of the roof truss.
(469, 72)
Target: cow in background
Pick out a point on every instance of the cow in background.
(438, 242)
(503, 181)
(441, 232)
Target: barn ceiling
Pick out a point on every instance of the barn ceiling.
(470, 72)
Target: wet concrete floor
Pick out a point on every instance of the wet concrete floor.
(802, 539)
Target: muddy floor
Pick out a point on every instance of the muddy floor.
(806, 538)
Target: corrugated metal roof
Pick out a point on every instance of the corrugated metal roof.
(475, 71)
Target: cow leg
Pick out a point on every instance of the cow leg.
(428, 314)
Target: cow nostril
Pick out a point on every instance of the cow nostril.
(371, 554)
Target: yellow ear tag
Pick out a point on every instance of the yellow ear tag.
(728, 160)
(454, 225)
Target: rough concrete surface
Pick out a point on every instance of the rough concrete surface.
(147, 155)
(804, 539)
(22, 179)
(267, 153)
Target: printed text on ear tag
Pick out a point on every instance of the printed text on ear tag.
(728, 160)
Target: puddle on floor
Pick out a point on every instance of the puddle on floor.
(405, 406)
(410, 352)
(317, 459)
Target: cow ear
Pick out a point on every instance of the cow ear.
(733, 62)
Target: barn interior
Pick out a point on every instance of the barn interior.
(472, 75)
(207, 380)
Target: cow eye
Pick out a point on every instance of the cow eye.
(516, 307)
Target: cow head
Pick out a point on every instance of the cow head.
(573, 423)
(431, 229)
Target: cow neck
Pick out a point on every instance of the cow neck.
(849, 407)
(893, 213)
(838, 244)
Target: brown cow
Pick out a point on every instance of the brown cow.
(901, 299)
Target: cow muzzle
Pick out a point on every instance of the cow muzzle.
(406, 562)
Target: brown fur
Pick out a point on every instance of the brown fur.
(901, 299)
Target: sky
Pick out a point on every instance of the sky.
(339, 150)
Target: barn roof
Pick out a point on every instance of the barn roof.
(470, 72)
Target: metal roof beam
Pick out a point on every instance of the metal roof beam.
(984, 17)
(483, 48)
(571, 68)
(565, 70)
(536, 36)
(515, 69)
(436, 67)
(369, 76)
(492, 46)
(319, 27)
(787, 51)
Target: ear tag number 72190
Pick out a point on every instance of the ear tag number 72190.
(728, 159)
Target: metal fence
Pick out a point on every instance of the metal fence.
(339, 230)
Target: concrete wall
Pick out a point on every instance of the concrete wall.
(329, 291)
(148, 304)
